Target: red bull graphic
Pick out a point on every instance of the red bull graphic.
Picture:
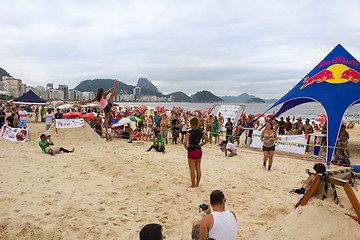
(336, 73)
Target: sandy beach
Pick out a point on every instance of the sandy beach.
(109, 190)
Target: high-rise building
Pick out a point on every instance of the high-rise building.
(137, 93)
(50, 85)
(65, 89)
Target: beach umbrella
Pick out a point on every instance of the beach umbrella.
(158, 108)
(134, 119)
(72, 115)
(270, 115)
(206, 112)
(88, 115)
(322, 120)
(243, 115)
(322, 116)
(166, 109)
(258, 115)
(197, 110)
(121, 122)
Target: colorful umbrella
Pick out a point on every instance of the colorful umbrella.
(72, 115)
(258, 115)
(121, 122)
(270, 115)
(166, 109)
(134, 119)
(206, 112)
(243, 115)
(88, 115)
(322, 120)
(197, 110)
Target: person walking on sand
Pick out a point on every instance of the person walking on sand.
(193, 147)
(268, 136)
(106, 105)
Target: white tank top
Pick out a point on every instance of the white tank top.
(225, 226)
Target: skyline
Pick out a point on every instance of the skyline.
(226, 47)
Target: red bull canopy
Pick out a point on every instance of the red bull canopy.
(334, 84)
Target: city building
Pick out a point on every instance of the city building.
(65, 89)
(13, 86)
(137, 93)
(50, 85)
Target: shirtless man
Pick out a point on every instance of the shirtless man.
(164, 128)
(209, 125)
(343, 140)
(221, 121)
(97, 123)
(307, 128)
(201, 122)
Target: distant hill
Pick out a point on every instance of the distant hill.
(4, 73)
(144, 82)
(243, 98)
(205, 96)
(180, 97)
(255, 100)
(122, 88)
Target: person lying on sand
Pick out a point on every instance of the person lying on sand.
(45, 146)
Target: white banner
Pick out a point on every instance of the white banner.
(13, 134)
(286, 143)
(69, 123)
(228, 111)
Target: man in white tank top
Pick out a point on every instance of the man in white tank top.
(221, 224)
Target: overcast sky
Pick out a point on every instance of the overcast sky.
(228, 47)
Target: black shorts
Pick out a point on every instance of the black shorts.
(268, 149)
(183, 132)
(108, 107)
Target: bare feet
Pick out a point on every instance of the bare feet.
(73, 150)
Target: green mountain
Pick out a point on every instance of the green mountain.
(3, 73)
(122, 88)
(255, 100)
(180, 97)
(205, 96)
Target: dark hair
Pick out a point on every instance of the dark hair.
(151, 231)
(194, 123)
(99, 94)
(42, 135)
(319, 168)
(216, 197)
(224, 142)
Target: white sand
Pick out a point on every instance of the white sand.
(109, 190)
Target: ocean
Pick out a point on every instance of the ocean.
(307, 110)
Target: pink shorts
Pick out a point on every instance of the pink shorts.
(196, 154)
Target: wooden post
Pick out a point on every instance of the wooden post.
(312, 189)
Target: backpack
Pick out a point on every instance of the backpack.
(341, 158)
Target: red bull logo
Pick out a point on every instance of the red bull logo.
(336, 73)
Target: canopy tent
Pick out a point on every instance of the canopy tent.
(29, 98)
(334, 84)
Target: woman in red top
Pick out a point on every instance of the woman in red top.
(193, 146)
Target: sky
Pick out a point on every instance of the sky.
(227, 47)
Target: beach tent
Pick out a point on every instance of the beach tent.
(29, 98)
(334, 84)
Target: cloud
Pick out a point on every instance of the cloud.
(227, 47)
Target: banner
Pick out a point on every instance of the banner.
(228, 111)
(69, 123)
(286, 143)
(13, 134)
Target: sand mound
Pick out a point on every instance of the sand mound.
(317, 220)
(75, 136)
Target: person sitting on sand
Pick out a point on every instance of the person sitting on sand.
(220, 224)
(152, 231)
(45, 146)
(158, 144)
(228, 147)
(319, 168)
